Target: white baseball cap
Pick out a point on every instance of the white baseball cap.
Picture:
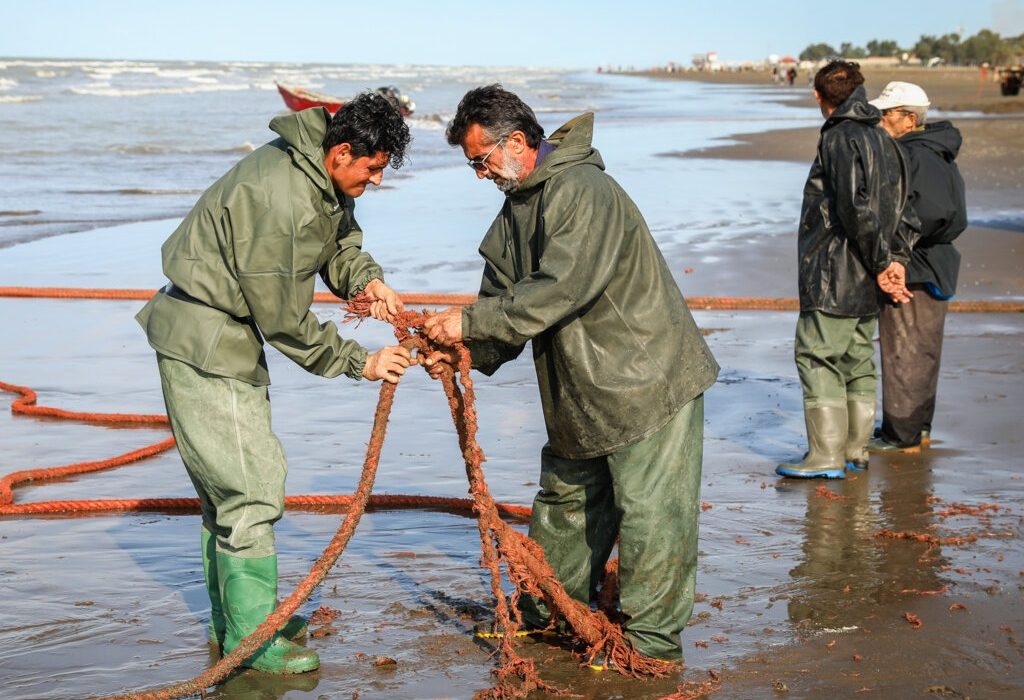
(899, 94)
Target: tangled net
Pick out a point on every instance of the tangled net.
(523, 559)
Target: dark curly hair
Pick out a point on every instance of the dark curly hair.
(837, 81)
(369, 123)
(498, 112)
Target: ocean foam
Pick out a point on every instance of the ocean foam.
(105, 89)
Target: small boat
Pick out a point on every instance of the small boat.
(297, 98)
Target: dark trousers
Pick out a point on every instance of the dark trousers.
(911, 343)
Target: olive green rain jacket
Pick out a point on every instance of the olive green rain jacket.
(571, 265)
(243, 264)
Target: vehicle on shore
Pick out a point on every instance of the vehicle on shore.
(1010, 79)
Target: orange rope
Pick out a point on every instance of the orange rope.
(26, 405)
(440, 299)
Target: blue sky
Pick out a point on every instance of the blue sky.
(573, 33)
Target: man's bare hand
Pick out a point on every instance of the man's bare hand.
(387, 363)
(437, 362)
(445, 327)
(385, 303)
(893, 281)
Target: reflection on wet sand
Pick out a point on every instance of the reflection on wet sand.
(846, 572)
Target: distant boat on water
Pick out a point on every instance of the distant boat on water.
(297, 98)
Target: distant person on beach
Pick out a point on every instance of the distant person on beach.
(570, 265)
(911, 333)
(848, 247)
(242, 267)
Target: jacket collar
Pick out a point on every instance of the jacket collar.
(572, 142)
(304, 133)
(855, 108)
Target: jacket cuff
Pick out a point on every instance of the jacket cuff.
(358, 364)
(360, 284)
(474, 319)
(882, 267)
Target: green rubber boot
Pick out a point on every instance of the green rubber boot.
(826, 440)
(861, 417)
(295, 628)
(248, 590)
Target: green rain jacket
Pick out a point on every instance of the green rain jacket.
(571, 265)
(243, 263)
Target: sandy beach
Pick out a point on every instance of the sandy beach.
(801, 594)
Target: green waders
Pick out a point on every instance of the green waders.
(236, 464)
(835, 358)
(647, 495)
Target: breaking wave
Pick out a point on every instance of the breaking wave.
(105, 90)
(152, 150)
(135, 191)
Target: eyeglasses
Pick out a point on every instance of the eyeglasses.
(480, 164)
(901, 112)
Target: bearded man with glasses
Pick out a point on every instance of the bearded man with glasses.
(570, 265)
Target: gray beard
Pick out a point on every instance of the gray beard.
(506, 185)
(507, 180)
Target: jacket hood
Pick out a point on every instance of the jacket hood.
(941, 137)
(304, 133)
(572, 142)
(855, 108)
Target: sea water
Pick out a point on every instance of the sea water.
(90, 144)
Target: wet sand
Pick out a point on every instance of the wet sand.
(111, 602)
(796, 590)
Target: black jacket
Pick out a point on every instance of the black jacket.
(937, 195)
(853, 204)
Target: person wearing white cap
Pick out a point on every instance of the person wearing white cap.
(848, 247)
(911, 334)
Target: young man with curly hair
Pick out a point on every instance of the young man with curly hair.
(242, 267)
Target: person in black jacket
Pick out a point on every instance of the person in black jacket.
(853, 204)
(911, 334)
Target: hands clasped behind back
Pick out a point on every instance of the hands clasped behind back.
(893, 281)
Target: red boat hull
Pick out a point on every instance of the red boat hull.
(298, 99)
